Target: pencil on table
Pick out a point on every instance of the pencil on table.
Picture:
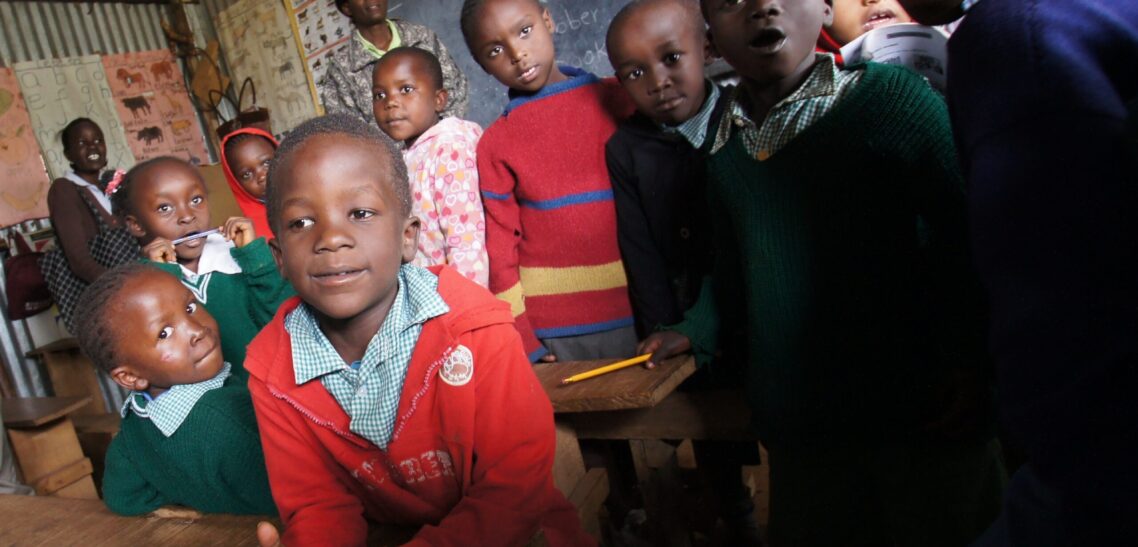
(606, 369)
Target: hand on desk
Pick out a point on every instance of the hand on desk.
(662, 345)
(175, 512)
(548, 358)
(267, 535)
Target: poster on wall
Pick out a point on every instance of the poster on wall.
(24, 193)
(150, 96)
(321, 31)
(57, 91)
(258, 43)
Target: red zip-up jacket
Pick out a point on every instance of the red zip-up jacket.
(471, 463)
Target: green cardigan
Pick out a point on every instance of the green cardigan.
(212, 463)
(844, 256)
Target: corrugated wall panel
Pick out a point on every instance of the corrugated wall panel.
(44, 30)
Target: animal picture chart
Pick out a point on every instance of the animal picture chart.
(57, 91)
(258, 43)
(321, 31)
(150, 96)
(24, 193)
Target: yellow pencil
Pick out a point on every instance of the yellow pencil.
(606, 369)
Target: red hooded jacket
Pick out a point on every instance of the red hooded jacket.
(471, 463)
(252, 207)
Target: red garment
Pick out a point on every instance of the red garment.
(252, 207)
(549, 207)
(827, 44)
(472, 464)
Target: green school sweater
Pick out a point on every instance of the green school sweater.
(212, 463)
(241, 303)
(844, 256)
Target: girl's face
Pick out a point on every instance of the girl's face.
(852, 18)
(249, 161)
(405, 100)
(86, 149)
(168, 200)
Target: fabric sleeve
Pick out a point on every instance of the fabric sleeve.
(314, 506)
(453, 178)
(266, 288)
(125, 491)
(503, 236)
(454, 81)
(649, 291)
(511, 491)
(75, 228)
(335, 91)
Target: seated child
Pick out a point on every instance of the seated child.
(388, 392)
(188, 434)
(346, 86)
(658, 49)
(551, 222)
(231, 273)
(440, 156)
(246, 166)
(852, 18)
(840, 245)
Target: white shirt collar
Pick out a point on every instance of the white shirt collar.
(99, 195)
(215, 258)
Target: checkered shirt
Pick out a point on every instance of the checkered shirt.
(694, 129)
(168, 410)
(822, 89)
(369, 391)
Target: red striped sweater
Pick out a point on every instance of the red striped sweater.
(550, 218)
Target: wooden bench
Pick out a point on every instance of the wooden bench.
(72, 374)
(46, 446)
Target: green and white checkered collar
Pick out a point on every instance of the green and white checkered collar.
(313, 354)
(694, 130)
(168, 410)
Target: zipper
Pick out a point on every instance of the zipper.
(320, 422)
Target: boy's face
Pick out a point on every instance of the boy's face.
(343, 235)
(659, 54)
(163, 336)
(852, 18)
(766, 40)
(405, 100)
(512, 40)
(249, 161)
(168, 200)
(86, 149)
(365, 12)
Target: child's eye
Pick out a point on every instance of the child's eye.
(379, 96)
(266, 162)
(300, 224)
(166, 333)
(246, 175)
(494, 51)
(634, 74)
(191, 307)
(362, 214)
(732, 2)
(406, 89)
(164, 208)
(197, 200)
(527, 29)
(671, 58)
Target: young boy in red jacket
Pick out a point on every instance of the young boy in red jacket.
(387, 392)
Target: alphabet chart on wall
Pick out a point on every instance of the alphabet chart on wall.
(24, 194)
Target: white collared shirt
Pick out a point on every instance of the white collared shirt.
(102, 198)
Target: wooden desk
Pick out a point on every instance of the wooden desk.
(46, 446)
(72, 373)
(633, 387)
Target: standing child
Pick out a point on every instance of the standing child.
(188, 434)
(346, 86)
(231, 272)
(388, 392)
(440, 156)
(551, 223)
(246, 166)
(840, 245)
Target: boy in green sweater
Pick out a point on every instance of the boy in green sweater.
(840, 245)
(188, 435)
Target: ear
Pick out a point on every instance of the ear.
(708, 51)
(441, 98)
(134, 227)
(278, 257)
(829, 18)
(410, 238)
(548, 20)
(126, 377)
(712, 52)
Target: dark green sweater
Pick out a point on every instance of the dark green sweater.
(212, 463)
(845, 254)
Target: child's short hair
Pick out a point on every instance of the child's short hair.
(434, 69)
(690, 6)
(120, 195)
(67, 129)
(336, 124)
(92, 327)
(466, 18)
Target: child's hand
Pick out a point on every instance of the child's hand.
(548, 358)
(662, 345)
(160, 250)
(239, 230)
(267, 535)
(175, 512)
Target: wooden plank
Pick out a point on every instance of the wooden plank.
(588, 496)
(97, 423)
(633, 387)
(41, 451)
(62, 477)
(28, 412)
(568, 465)
(63, 344)
(721, 415)
(72, 374)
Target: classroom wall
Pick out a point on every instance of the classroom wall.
(31, 31)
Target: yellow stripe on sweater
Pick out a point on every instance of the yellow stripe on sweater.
(554, 281)
(515, 298)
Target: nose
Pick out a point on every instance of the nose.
(515, 52)
(658, 79)
(762, 9)
(333, 236)
(196, 330)
(186, 214)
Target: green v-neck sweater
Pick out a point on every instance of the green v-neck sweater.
(844, 254)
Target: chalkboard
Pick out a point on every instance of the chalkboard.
(579, 38)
